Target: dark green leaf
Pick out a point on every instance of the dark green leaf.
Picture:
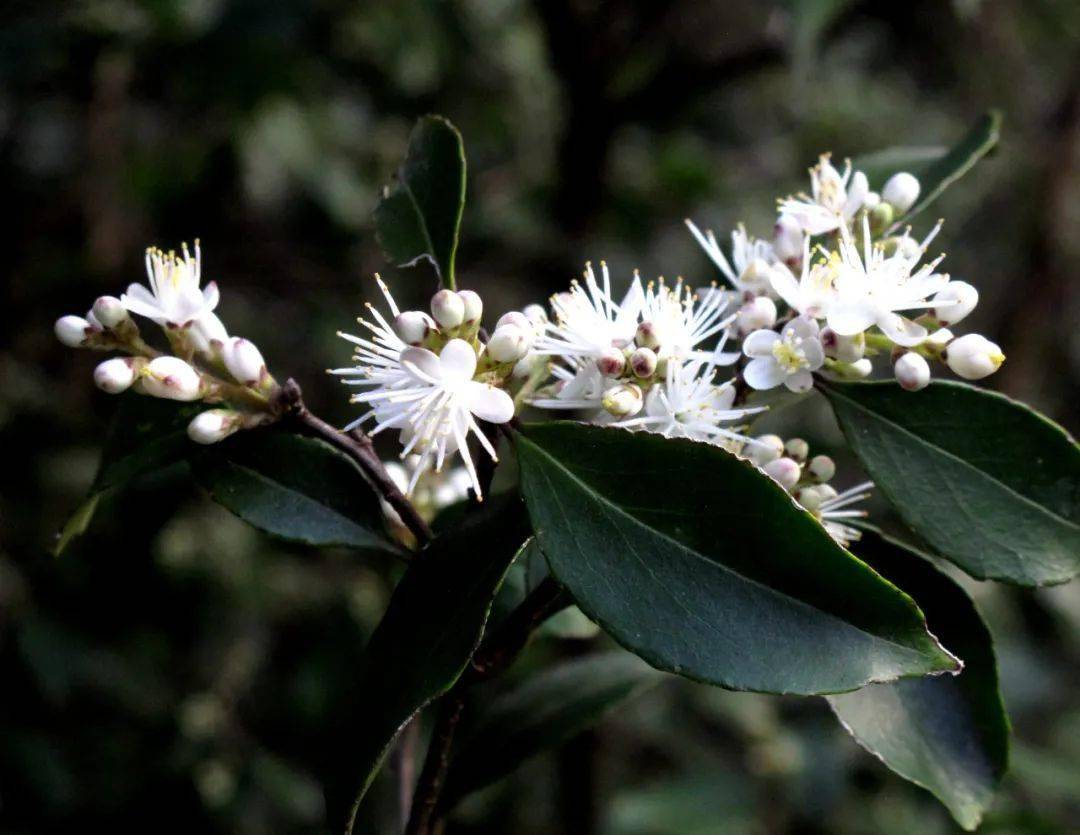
(296, 488)
(948, 734)
(146, 434)
(542, 712)
(420, 214)
(703, 566)
(432, 627)
(937, 175)
(988, 483)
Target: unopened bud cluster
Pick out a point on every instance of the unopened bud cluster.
(204, 362)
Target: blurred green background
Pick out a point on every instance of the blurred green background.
(177, 671)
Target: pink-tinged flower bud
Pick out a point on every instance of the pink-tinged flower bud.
(109, 311)
(448, 309)
(822, 467)
(213, 426)
(763, 449)
(757, 314)
(912, 371)
(901, 191)
(474, 306)
(413, 326)
(973, 357)
(244, 361)
(647, 336)
(172, 379)
(643, 362)
(787, 238)
(844, 348)
(72, 330)
(611, 362)
(624, 400)
(115, 375)
(797, 448)
(509, 343)
(515, 318)
(536, 314)
(861, 368)
(784, 471)
(954, 301)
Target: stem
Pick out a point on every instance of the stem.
(359, 447)
(436, 765)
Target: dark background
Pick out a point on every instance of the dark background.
(177, 671)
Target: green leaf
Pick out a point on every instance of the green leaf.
(146, 434)
(938, 173)
(420, 213)
(703, 566)
(948, 734)
(431, 628)
(299, 489)
(544, 711)
(987, 482)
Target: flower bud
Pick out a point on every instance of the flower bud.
(509, 343)
(954, 301)
(822, 467)
(115, 375)
(109, 311)
(901, 191)
(811, 497)
(787, 238)
(757, 277)
(536, 314)
(623, 400)
(611, 362)
(213, 426)
(763, 449)
(797, 448)
(474, 306)
(907, 246)
(448, 309)
(784, 471)
(871, 201)
(72, 330)
(756, 314)
(844, 348)
(881, 217)
(861, 368)
(515, 318)
(643, 362)
(912, 371)
(647, 336)
(244, 361)
(172, 379)
(412, 326)
(973, 357)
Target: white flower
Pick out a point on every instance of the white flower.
(788, 357)
(813, 293)
(833, 201)
(579, 387)
(690, 405)
(174, 298)
(680, 321)
(872, 287)
(751, 262)
(832, 509)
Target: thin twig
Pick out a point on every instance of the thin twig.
(359, 447)
(436, 764)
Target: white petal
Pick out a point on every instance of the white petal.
(785, 285)
(760, 343)
(803, 327)
(458, 360)
(858, 188)
(763, 373)
(211, 295)
(800, 381)
(901, 330)
(849, 317)
(426, 362)
(815, 355)
(489, 403)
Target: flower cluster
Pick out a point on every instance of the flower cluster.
(204, 362)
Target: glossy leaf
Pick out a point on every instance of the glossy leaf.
(431, 628)
(296, 488)
(987, 482)
(703, 566)
(948, 734)
(146, 434)
(542, 712)
(420, 213)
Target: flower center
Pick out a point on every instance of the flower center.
(789, 354)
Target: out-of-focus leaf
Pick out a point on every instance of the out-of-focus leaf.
(431, 629)
(948, 734)
(704, 566)
(419, 215)
(296, 488)
(542, 712)
(987, 482)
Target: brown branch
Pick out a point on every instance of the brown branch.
(359, 447)
(436, 764)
